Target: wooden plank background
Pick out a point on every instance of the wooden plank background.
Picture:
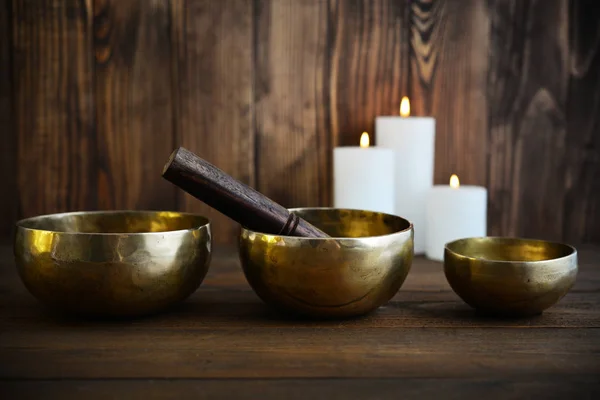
(95, 94)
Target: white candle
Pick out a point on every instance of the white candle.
(413, 140)
(454, 212)
(363, 177)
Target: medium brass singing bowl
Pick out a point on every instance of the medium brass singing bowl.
(357, 270)
(113, 263)
(510, 276)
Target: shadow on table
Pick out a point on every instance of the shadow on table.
(243, 308)
(454, 313)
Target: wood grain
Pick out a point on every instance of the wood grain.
(582, 200)
(215, 307)
(212, 78)
(54, 105)
(292, 142)
(527, 97)
(448, 80)
(516, 388)
(225, 343)
(8, 140)
(299, 352)
(134, 103)
(369, 65)
(264, 90)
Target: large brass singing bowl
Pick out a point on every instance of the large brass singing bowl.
(359, 269)
(510, 276)
(114, 263)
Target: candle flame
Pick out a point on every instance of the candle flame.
(454, 182)
(364, 140)
(404, 107)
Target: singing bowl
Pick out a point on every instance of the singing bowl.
(113, 263)
(358, 269)
(510, 276)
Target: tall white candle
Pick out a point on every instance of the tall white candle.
(454, 212)
(413, 140)
(363, 177)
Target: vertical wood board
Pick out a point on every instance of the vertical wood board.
(369, 65)
(582, 198)
(527, 100)
(54, 105)
(292, 136)
(449, 43)
(133, 103)
(95, 94)
(8, 139)
(212, 80)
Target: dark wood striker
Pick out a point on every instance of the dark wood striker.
(238, 201)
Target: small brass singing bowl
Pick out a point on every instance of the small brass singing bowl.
(510, 276)
(352, 273)
(113, 263)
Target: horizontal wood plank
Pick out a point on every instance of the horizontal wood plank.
(225, 331)
(212, 309)
(585, 386)
(249, 352)
(226, 300)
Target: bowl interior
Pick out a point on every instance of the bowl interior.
(350, 223)
(509, 249)
(114, 222)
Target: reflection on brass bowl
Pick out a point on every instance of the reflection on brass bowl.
(357, 270)
(113, 263)
(510, 276)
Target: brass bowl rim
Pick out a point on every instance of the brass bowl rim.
(20, 223)
(345, 238)
(513, 238)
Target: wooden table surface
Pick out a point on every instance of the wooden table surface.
(224, 343)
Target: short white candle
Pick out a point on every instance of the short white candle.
(363, 177)
(454, 212)
(413, 140)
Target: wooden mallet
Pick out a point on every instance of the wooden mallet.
(233, 198)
